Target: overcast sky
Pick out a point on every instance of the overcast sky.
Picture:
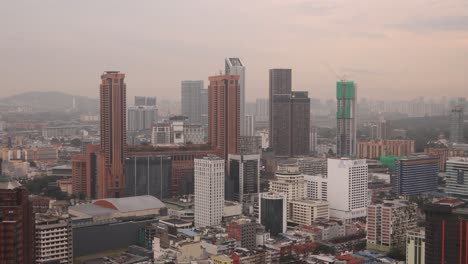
(392, 49)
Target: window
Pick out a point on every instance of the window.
(460, 176)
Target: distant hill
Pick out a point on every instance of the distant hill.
(51, 101)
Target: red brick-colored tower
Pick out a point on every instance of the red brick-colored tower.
(224, 114)
(113, 135)
(16, 225)
(79, 181)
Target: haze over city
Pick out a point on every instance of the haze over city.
(396, 49)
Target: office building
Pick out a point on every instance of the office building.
(378, 129)
(279, 86)
(415, 246)
(446, 232)
(243, 181)
(145, 101)
(113, 134)
(234, 66)
(312, 166)
(388, 222)
(148, 175)
(191, 100)
(316, 187)
(289, 181)
(204, 108)
(79, 180)
(346, 94)
(456, 125)
(141, 118)
(313, 144)
(249, 125)
(306, 212)
(250, 144)
(261, 110)
(224, 114)
(16, 224)
(209, 191)
(244, 231)
(374, 149)
(53, 239)
(272, 212)
(456, 184)
(347, 188)
(181, 162)
(415, 175)
(289, 116)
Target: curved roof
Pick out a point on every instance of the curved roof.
(134, 203)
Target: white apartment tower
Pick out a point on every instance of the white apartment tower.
(347, 188)
(234, 66)
(316, 187)
(54, 239)
(209, 191)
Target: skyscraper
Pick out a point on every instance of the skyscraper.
(261, 110)
(141, 118)
(446, 232)
(234, 66)
(209, 191)
(16, 224)
(456, 124)
(280, 85)
(289, 116)
(113, 134)
(346, 119)
(191, 101)
(224, 114)
(347, 188)
(244, 175)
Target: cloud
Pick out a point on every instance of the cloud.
(432, 24)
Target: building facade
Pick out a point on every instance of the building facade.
(243, 181)
(456, 183)
(244, 231)
(415, 246)
(388, 222)
(234, 66)
(145, 101)
(346, 94)
(191, 100)
(415, 175)
(79, 180)
(316, 187)
(53, 239)
(113, 104)
(209, 191)
(456, 125)
(289, 181)
(446, 232)
(374, 149)
(272, 212)
(224, 114)
(16, 224)
(443, 154)
(141, 118)
(347, 188)
(306, 212)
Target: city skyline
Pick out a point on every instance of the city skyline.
(389, 55)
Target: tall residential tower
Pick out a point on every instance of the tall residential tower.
(456, 125)
(113, 134)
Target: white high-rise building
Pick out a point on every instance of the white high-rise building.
(234, 66)
(289, 181)
(316, 187)
(209, 191)
(347, 188)
(141, 117)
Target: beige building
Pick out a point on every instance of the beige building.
(53, 239)
(415, 246)
(289, 181)
(392, 147)
(306, 212)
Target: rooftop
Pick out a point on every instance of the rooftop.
(129, 204)
(9, 185)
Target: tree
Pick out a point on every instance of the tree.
(76, 142)
(324, 249)
(54, 141)
(396, 253)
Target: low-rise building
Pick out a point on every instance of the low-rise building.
(306, 212)
(53, 239)
(415, 246)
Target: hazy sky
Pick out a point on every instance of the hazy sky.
(392, 49)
